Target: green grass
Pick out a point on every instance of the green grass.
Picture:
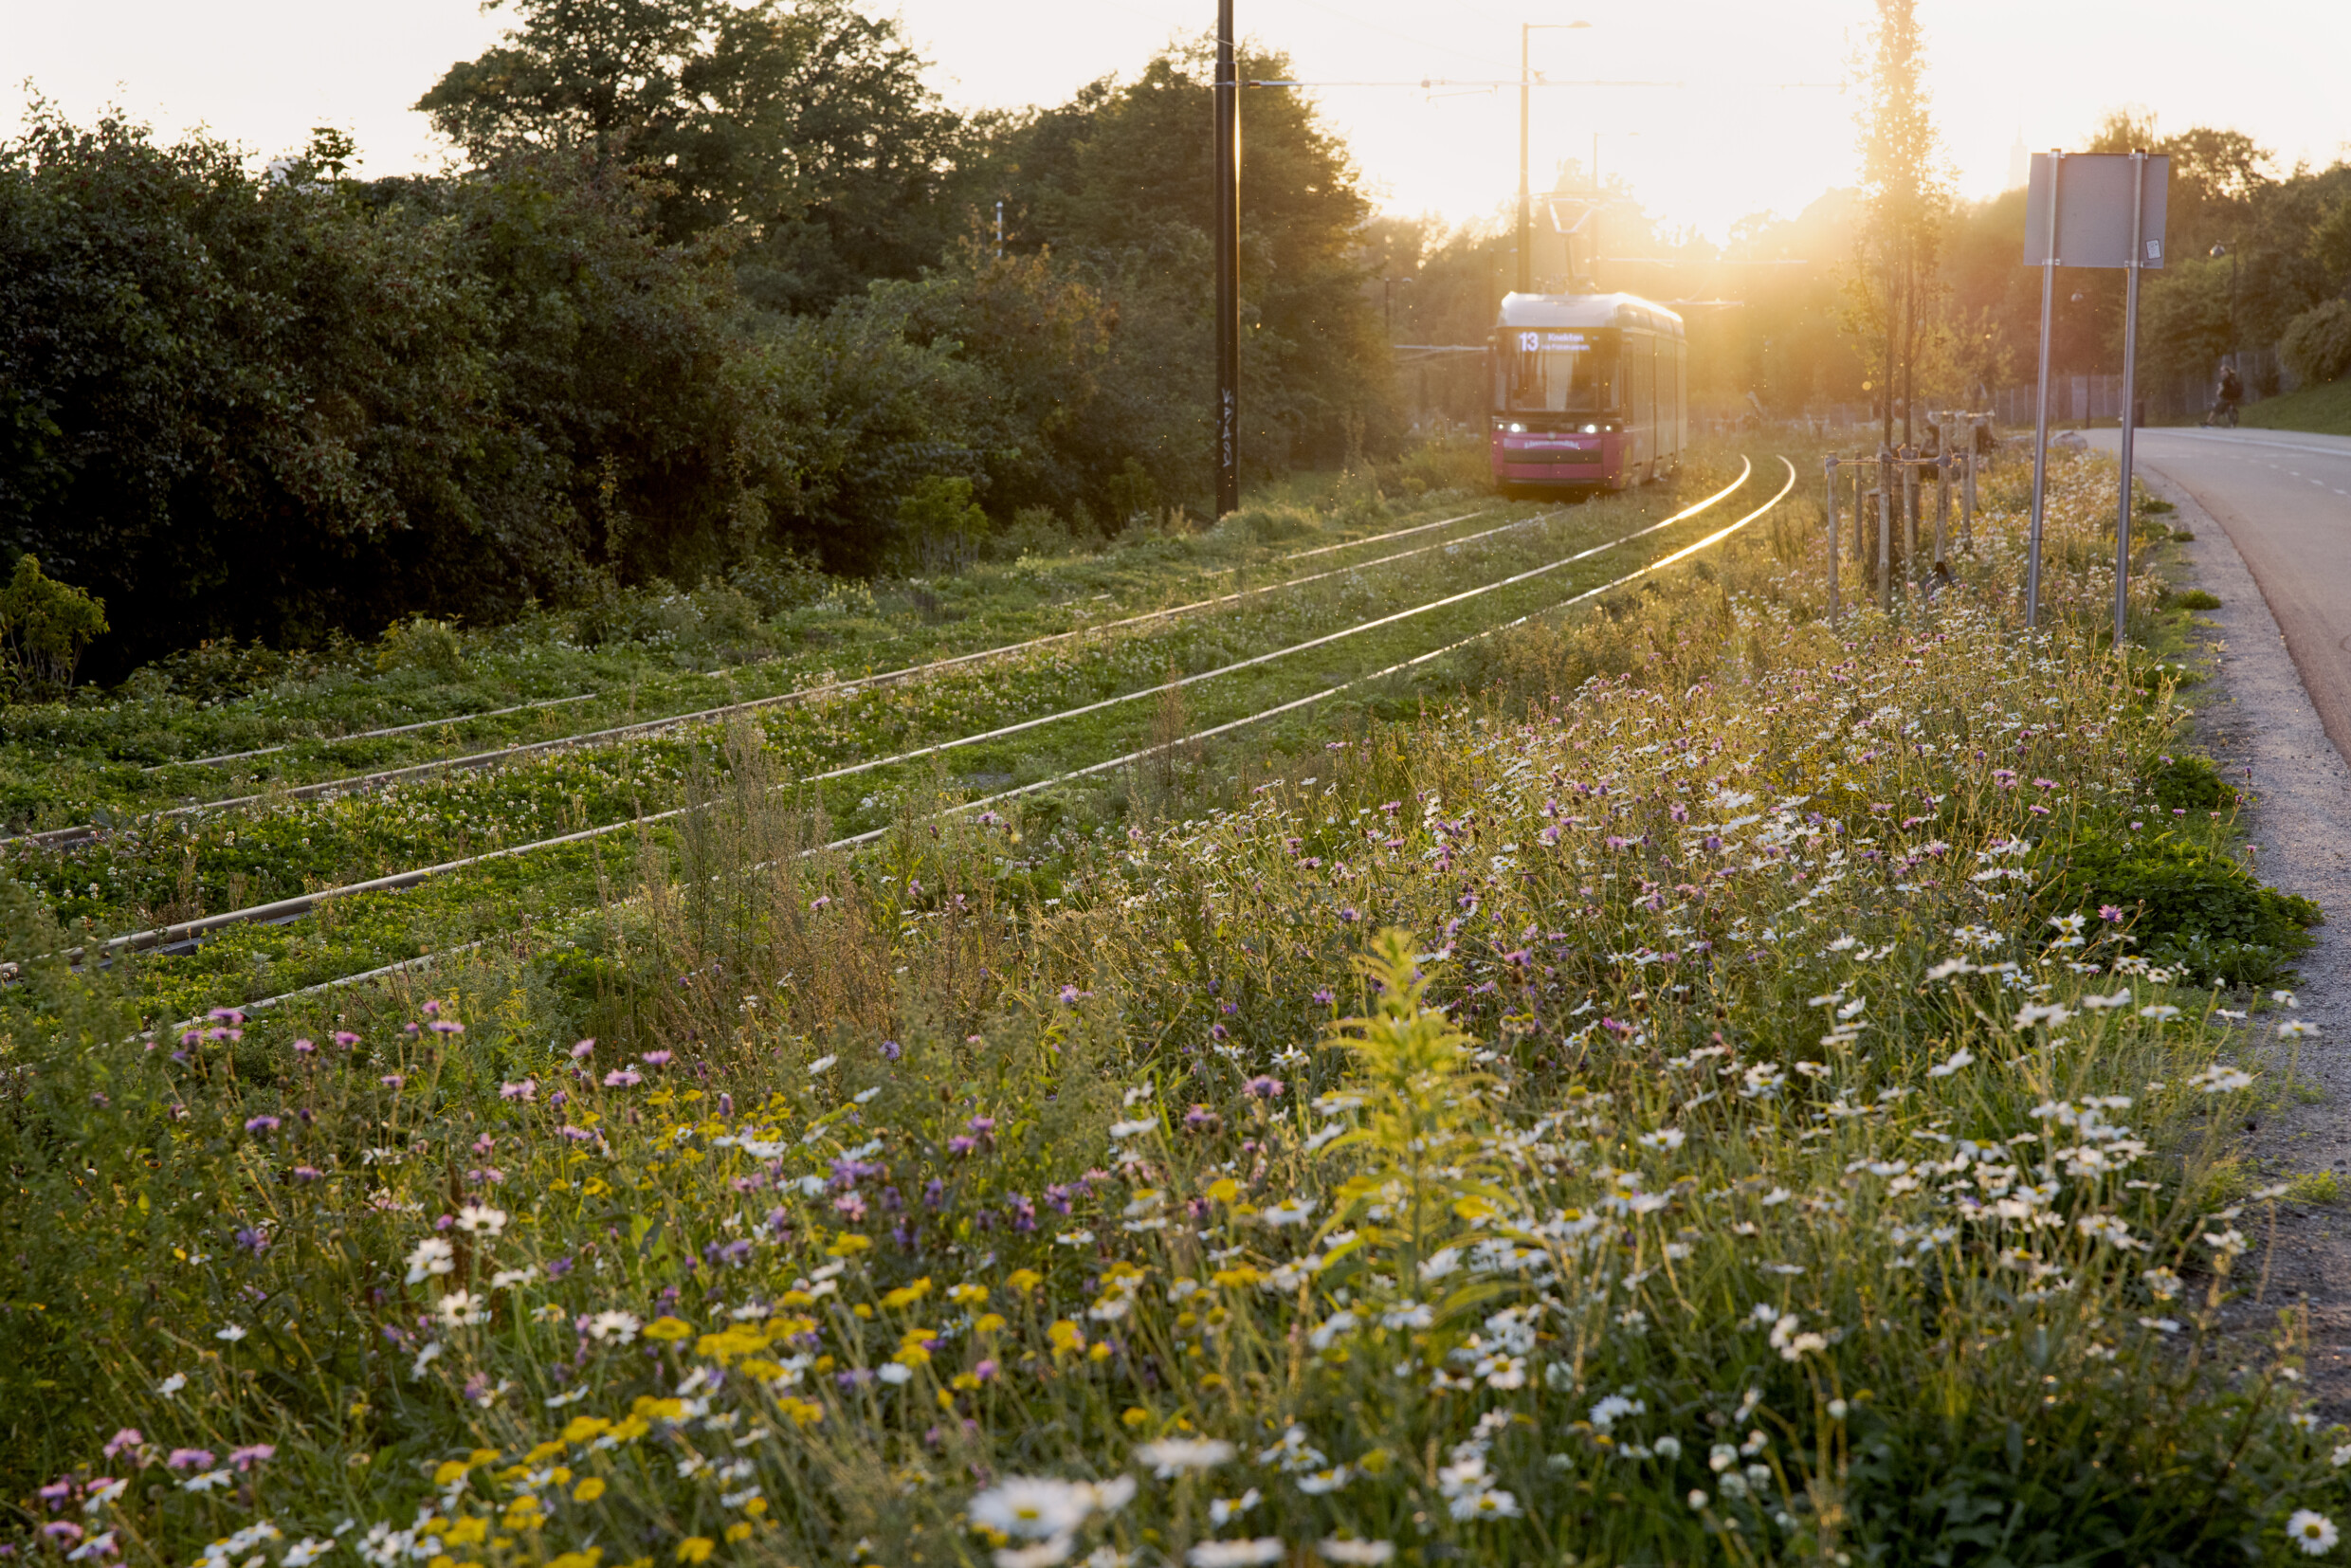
(2324, 409)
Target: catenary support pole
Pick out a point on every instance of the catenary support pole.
(2130, 386)
(1227, 182)
(2040, 407)
(1526, 199)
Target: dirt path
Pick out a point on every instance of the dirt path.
(2257, 716)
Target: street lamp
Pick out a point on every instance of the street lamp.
(1526, 200)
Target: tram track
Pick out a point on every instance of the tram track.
(279, 910)
(1129, 759)
(417, 725)
(383, 779)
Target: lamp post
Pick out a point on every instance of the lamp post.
(1526, 200)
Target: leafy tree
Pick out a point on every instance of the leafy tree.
(1893, 289)
(1117, 182)
(245, 407)
(800, 125)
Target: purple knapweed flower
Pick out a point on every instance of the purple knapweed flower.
(1263, 1086)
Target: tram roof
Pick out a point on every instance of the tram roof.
(1585, 310)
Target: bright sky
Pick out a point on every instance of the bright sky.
(1733, 140)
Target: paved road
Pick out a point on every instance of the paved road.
(2272, 511)
(2285, 498)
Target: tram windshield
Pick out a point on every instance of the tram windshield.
(1555, 371)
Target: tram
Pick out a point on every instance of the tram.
(1589, 392)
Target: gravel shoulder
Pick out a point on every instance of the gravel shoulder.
(2256, 718)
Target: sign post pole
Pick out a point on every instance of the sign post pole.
(2130, 388)
(2040, 416)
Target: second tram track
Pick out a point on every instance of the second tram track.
(1295, 704)
(291, 908)
(57, 837)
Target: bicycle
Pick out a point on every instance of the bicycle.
(2223, 416)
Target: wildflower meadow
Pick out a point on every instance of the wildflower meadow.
(1687, 1083)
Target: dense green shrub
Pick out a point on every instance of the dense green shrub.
(2188, 782)
(2317, 345)
(2190, 905)
(44, 627)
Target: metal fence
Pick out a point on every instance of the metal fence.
(2087, 399)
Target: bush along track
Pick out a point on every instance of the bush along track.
(1615, 1120)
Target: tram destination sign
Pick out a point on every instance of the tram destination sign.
(2095, 205)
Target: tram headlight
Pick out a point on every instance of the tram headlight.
(1592, 430)
(1515, 428)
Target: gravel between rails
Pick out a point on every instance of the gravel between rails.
(2257, 715)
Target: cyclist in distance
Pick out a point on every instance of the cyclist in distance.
(2231, 393)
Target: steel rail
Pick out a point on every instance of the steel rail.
(363, 735)
(358, 783)
(284, 909)
(858, 840)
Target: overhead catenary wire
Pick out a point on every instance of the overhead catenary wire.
(1295, 704)
(284, 909)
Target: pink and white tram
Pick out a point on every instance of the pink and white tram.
(1590, 391)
